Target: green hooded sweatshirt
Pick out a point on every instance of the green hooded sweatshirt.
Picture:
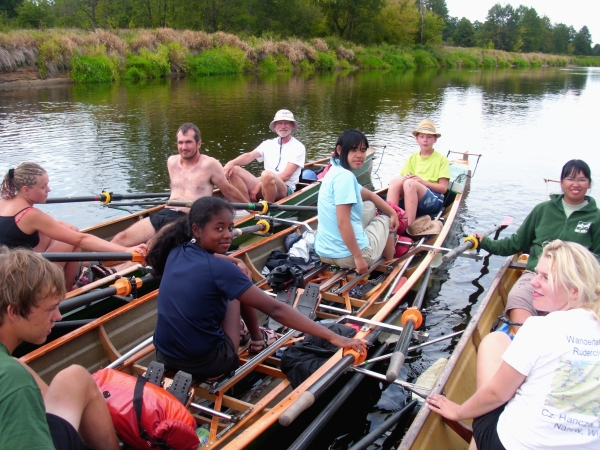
(548, 222)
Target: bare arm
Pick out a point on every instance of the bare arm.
(37, 220)
(229, 191)
(290, 317)
(348, 236)
(243, 159)
(290, 168)
(497, 391)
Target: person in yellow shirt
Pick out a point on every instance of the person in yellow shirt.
(424, 177)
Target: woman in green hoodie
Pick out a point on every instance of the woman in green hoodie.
(570, 216)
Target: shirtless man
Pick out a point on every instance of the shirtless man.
(192, 175)
(284, 159)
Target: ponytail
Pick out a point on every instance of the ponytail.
(169, 237)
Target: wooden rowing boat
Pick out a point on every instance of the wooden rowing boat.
(458, 379)
(102, 341)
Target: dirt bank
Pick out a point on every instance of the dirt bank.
(29, 77)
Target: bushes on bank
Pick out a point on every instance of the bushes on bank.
(93, 69)
(147, 54)
(218, 61)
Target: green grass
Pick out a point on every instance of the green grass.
(93, 69)
(218, 61)
(147, 65)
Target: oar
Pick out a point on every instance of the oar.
(261, 227)
(93, 256)
(410, 349)
(119, 362)
(381, 429)
(308, 397)
(471, 241)
(122, 287)
(106, 197)
(411, 320)
(261, 207)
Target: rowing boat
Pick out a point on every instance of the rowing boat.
(458, 379)
(97, 344)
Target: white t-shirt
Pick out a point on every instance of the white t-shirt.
(276, 157)
(558, 405)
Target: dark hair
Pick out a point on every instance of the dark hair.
(180, 231)
(348, 140)
(573, 167)
(25, 279)
(183, 129)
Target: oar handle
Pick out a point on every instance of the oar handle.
(471, 241)
(261, 227)
(106, 197)
(93, 256)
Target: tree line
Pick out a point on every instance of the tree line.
(364, 22)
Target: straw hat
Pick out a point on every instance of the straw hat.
(283, 114)
(426, 127)
(424, 226)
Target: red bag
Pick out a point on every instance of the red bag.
(160, 420)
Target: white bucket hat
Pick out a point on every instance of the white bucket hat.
(283, 114)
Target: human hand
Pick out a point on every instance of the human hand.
(142, 249)
(361, 264)
(444, 407)
(255, 192)
(69, 226)
(479, 236)
(394, 223)
(415, 178)
(355, 344)
(228, 169)
(243, 267)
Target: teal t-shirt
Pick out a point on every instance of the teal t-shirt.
(23, 422)
(339, 187)
(430, 169)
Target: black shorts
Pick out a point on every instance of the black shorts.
(164, 217)
(64, 435)
(220, 361)
(485, 430)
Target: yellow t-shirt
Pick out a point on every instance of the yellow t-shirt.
(430, 169)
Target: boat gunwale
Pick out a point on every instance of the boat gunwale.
(424, 413)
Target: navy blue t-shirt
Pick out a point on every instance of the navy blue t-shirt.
(192, 301)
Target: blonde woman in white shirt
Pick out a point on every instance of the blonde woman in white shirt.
(541, 389)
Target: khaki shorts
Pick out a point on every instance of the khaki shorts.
(377, 229)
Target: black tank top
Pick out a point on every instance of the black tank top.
(12, 236)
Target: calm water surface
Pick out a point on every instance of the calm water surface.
(525, 124)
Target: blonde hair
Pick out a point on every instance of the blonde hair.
(573, 267)
(26, 174)
(25, 279)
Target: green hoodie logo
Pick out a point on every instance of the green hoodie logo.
(583, 227)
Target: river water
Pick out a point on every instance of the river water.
(525, 123)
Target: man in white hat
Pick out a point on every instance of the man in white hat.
(424, 177)
(283, 156)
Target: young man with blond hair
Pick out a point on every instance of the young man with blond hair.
(424, 177)
(71, 412)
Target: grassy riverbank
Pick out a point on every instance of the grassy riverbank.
(105, 56)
